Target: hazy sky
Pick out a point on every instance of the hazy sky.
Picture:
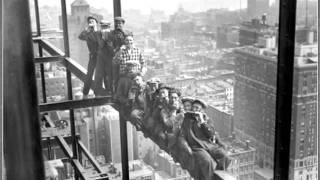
(169, 6)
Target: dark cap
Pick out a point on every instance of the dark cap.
(162, 86)
(104, 23)
(201, 102)
(175, 90)
(91, 17)
(119, 19)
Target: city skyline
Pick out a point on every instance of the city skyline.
(146, 6)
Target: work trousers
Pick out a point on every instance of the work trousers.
(103, 74)
(91, 67)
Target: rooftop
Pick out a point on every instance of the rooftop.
(265, 172)
(236, 146)
(137, 168)
(80, 3)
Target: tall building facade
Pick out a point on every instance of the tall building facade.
(171, 168)
(110, 131)
(222, 120)
(251, 31)
(255, 99)
(242, 153)
(303, 155)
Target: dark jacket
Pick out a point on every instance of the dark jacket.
(92, 39)
(117, 39)
(197, 135)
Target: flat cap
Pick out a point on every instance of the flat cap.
(118, 18)
(104, 23)
(199, 101)
(187, 99)
(91, 17)
(153, 81)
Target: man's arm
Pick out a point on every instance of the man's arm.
(84, 35)
(117, 57)
(207, 130)
(218, 141)
(109, 42)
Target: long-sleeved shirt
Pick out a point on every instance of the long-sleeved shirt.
(133, 55)
(92, 39)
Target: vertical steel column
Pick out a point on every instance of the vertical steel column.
(22, 137)
(69, 80)
(1, 112)
(116, 8)
(43, 83)
(123, 123)
(287, 26)
(317, 107)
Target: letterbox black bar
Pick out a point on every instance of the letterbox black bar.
(287, 24)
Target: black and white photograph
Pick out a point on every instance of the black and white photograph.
(159, 90)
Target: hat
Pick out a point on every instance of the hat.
(187, 99)
(164, 87)
(119, 19)
(91, 17)
(104, 23)
(153, 81)
(199, 101)
(175, 90)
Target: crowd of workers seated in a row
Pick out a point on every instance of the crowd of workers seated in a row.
(178, 124)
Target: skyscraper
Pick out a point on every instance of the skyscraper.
(255, 98)
(110, 131)
(303, 154)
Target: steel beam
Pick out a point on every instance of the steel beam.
(76, 104)
(48, 59)
(287, 26)
(90, 157)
